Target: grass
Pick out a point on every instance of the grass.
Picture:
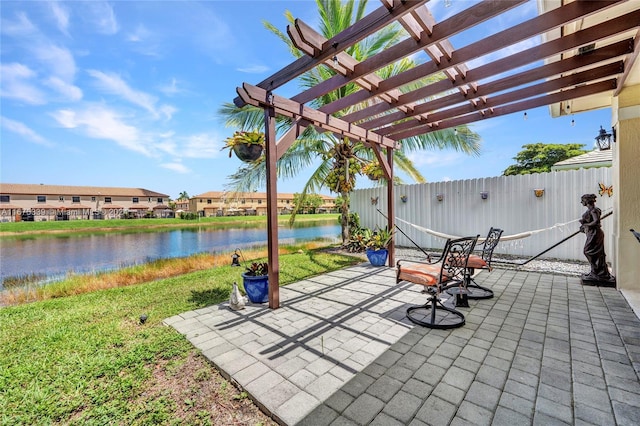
(74, 226)
(87, 359)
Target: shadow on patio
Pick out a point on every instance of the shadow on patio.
(544, 350)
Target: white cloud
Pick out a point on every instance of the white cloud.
(58, 60)
(61, 16)
(19, 28)
(17, 82)
(434, 158)
(176, 167)
(168, 111)
(201, 146)
(113, 84)
(171, 88)
(254, 69)
(42, 55)
(140, 34)
(24, 131)
(102, 123)
(69, 91)
(103, 17)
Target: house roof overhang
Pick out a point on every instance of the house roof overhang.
(631, 73)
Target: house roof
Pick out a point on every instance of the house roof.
(247, 195)
(595, 158)
(42, 189)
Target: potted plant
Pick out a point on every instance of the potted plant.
(377, 242)
(373, 170)
(248, 146)
(256, 282)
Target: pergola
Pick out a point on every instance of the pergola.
(587, 59)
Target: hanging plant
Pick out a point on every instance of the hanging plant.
(373, 170)
(247, 146)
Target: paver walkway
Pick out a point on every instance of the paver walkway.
(545, 350)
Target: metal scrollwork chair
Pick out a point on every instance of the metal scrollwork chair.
(482, 261)
(449, 269)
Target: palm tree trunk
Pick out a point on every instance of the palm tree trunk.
(344, 218)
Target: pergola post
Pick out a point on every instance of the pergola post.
(272, 207)
(391, 208)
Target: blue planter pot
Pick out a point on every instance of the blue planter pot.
(377, 257)
(256, 287)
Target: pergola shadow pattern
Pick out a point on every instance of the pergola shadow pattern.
(544, 350)
(291, 359)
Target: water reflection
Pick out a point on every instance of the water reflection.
(54, 256)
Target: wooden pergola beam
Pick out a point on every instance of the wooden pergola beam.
(531, 28)
(604, 86)
(452, 26)
(259, 97)
(549, 86)
(371, 23)
(508, 63)
(546, 71)
(630, 60)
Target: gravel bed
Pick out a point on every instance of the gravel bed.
(556, 266)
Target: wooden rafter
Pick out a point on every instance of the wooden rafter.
(530, 28)
(259, 97)
(373, 22)
(506, 98)
(454, 25)
(511, 108)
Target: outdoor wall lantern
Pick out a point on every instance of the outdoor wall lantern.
(403, 198)
(439, 197)
(484, 195)
(538, 192)
(603, 140)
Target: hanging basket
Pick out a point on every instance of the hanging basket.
(373, 177)
(248, 152)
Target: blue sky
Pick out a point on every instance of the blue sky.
(126, 93)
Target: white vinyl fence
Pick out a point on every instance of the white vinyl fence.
(511, 205)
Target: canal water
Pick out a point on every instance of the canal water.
(57, 255)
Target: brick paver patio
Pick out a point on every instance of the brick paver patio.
(545, 350)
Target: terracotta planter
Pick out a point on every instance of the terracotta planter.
(248, 152)
(256, 287)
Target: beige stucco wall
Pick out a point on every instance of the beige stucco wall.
(626, 181)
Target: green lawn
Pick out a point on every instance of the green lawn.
(119, 224)
(87, 359)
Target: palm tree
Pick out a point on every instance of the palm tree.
(183, 196)
(341, 159)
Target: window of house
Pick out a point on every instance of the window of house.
(135, 200)
(259, 201)
(107, 200)
(5, 198)
(288, 201)
(209, 201)
(243, 201)
(159, 200)
(150, 199)
(75, 199)
(61, 198)
(93, 198)
(41, 198)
